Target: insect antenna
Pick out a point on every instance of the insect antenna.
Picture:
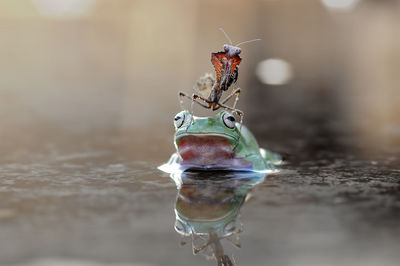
(226, 36)
(247, 42)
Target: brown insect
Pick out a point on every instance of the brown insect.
(210, 90)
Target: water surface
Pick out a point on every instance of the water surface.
(98, 199)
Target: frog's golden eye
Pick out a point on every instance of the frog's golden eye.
(229, 120)
(179, 119)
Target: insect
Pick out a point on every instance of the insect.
(210, 90)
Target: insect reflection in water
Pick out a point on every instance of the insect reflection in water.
(207, 207)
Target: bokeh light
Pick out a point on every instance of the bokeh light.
(274, 71)
(63, 8)
(340, 4)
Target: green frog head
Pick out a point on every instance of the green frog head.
(216, 143)
(222, 125)
(209, 142)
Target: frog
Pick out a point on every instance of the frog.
(217, 142)
(207, 209)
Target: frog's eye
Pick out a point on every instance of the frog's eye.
(229, 120)
(230, 227)
(179, 119)
(180, 228)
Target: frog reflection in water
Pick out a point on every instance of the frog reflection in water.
(217, 143)
(207, 207)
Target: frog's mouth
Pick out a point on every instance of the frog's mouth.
(206, 150)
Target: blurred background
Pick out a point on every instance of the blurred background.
(94, 83)
(91, 64)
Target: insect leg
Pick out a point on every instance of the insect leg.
(195, 97)
(195, 249)
(236, 111)
(233, 110)
(234, 93)
(235, 242)
(182, 94)
(194, 100)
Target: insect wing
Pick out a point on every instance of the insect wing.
(235, 61)
(204, 85)
(216, 60)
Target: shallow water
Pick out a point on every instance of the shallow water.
(98, 199)
(88, 91)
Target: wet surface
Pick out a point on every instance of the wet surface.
(98, 199)
(87, 99)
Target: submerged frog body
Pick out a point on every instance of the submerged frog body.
(216, 143)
